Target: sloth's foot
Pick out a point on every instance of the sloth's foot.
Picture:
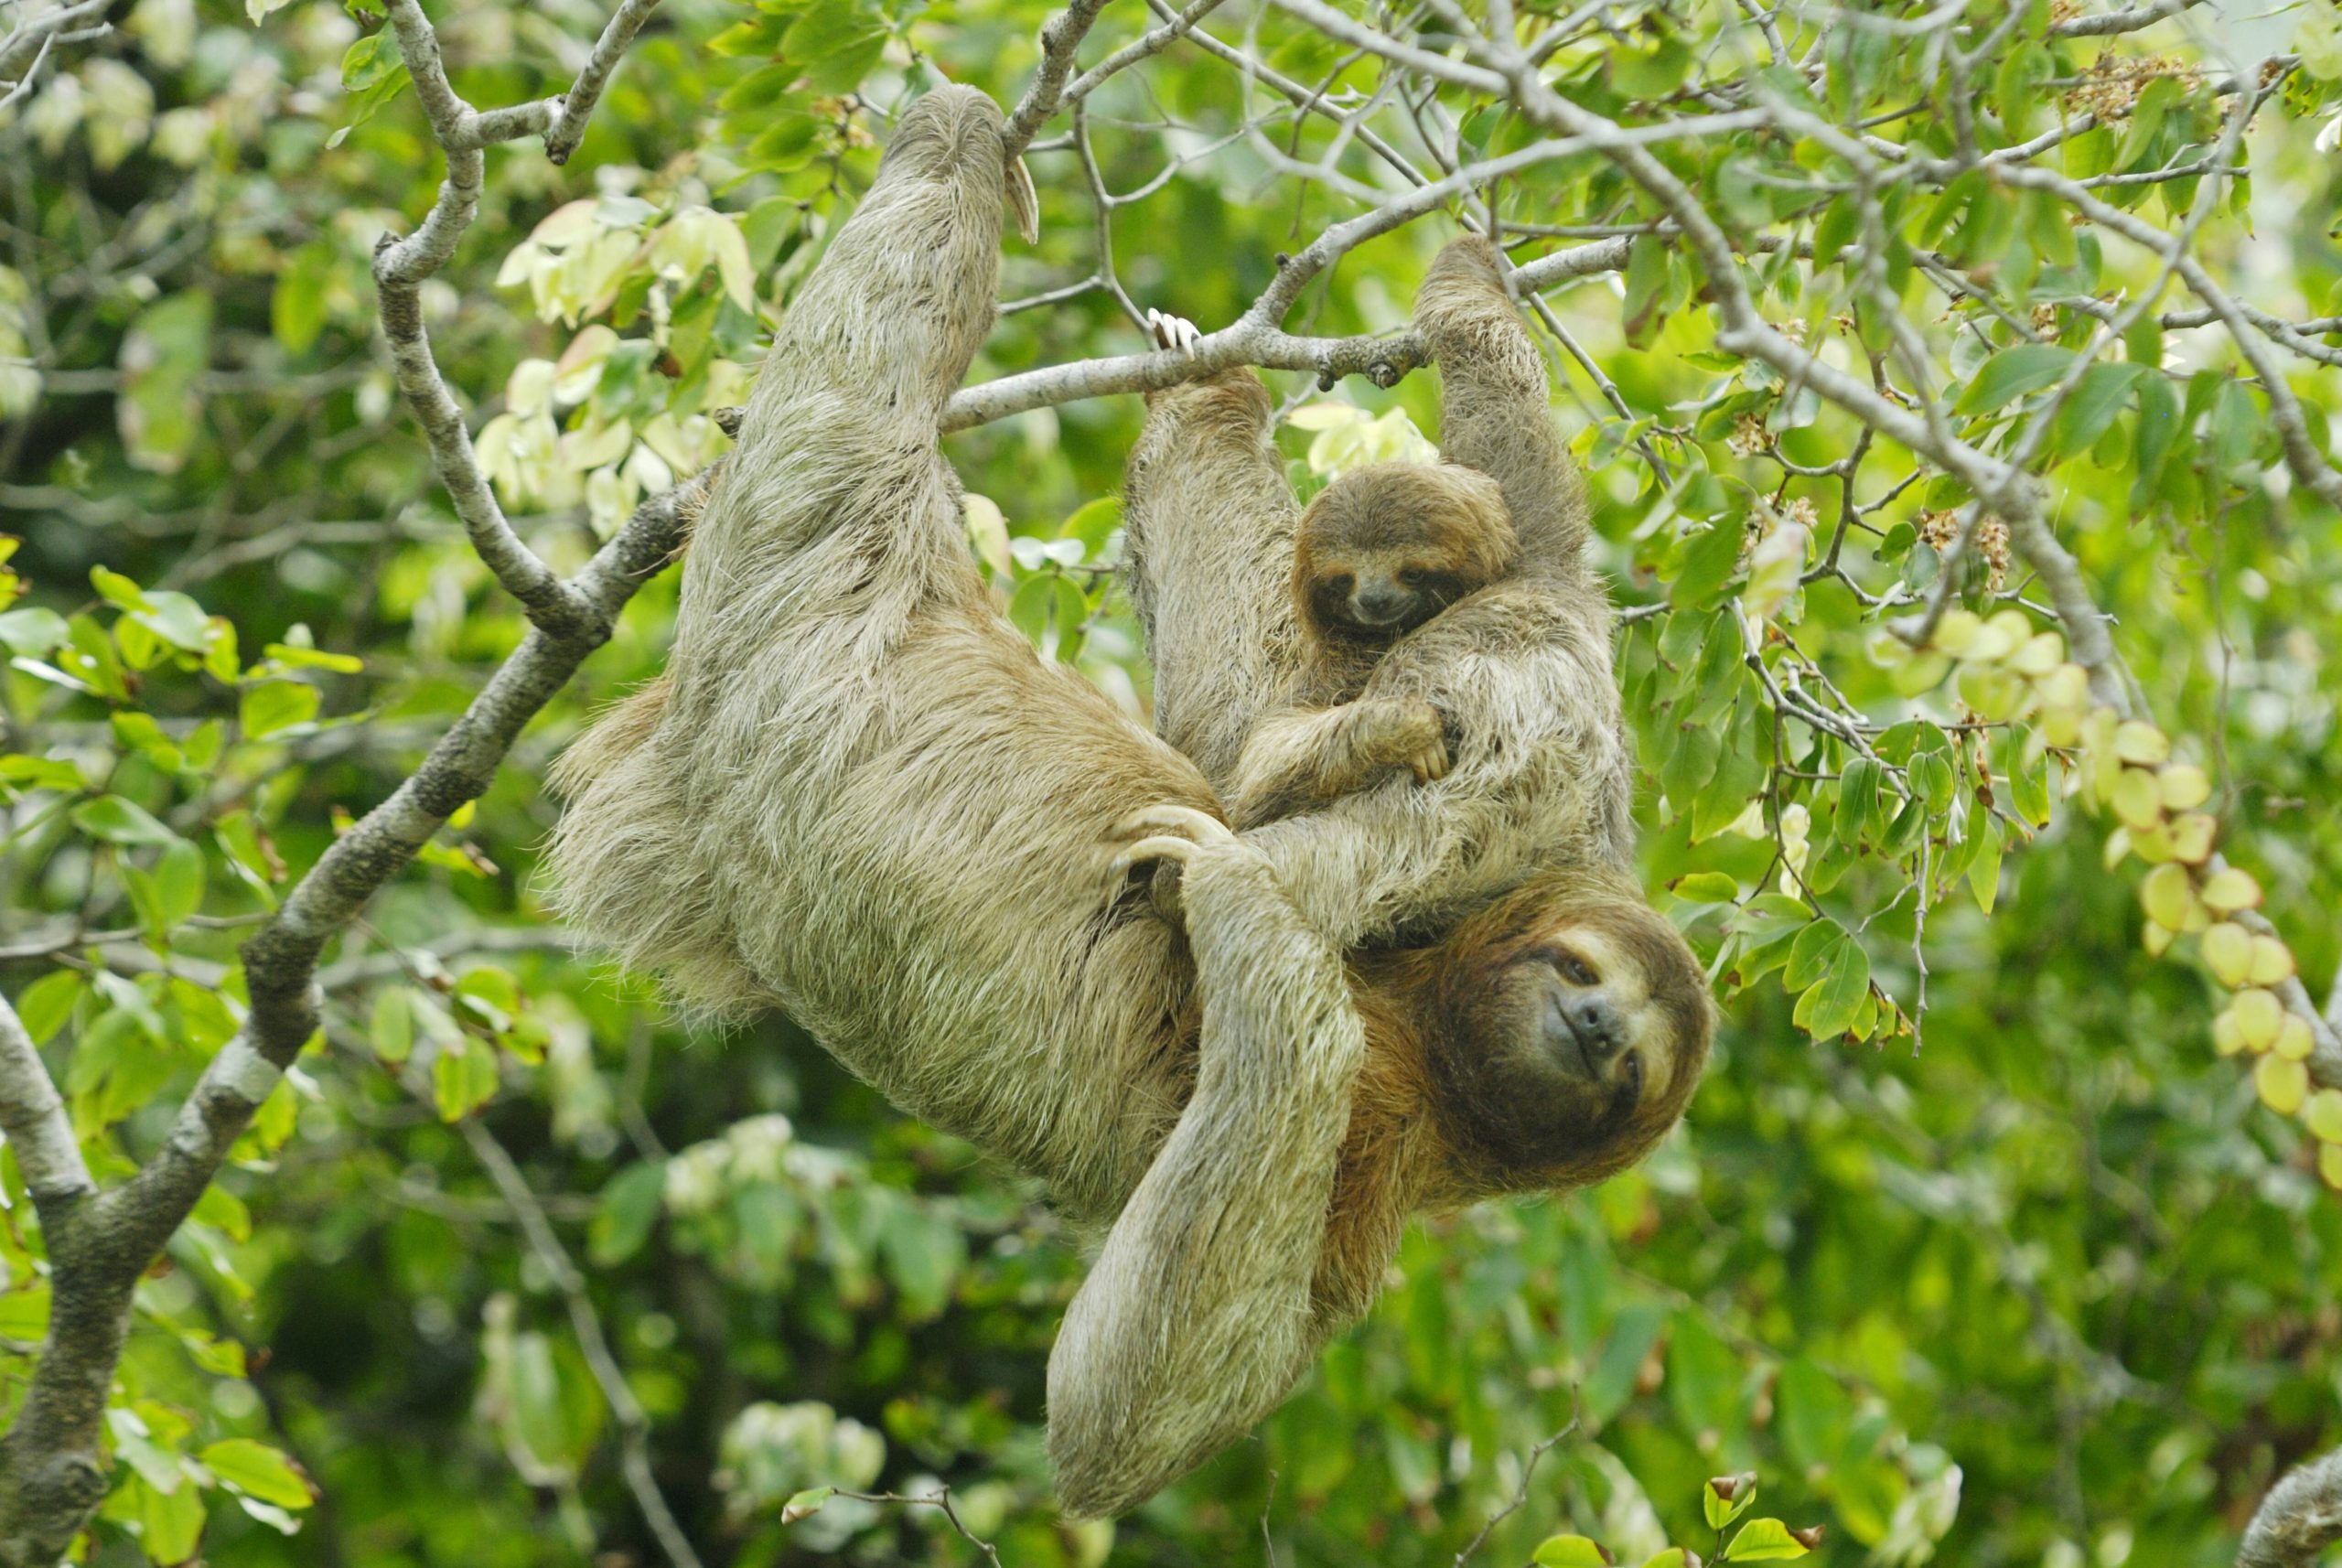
(1173, 332)
(1174, 834)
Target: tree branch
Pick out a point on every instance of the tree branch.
(1061, 41)
(33, 1116)
(634, 1424)
(1250, 340)
(50, 1475)
(2300, 1518)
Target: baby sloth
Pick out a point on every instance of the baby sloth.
(1382, 550)
(1426, 712)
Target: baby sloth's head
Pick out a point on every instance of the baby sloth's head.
(1385, 548)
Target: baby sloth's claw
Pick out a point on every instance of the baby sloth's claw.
(1173, 332)
(1430, 765)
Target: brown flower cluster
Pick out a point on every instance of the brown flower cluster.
(2112, 87)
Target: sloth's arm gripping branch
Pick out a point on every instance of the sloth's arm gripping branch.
(1198, 1315)
(1209, 522)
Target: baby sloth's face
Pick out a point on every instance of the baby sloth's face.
(1383, 549)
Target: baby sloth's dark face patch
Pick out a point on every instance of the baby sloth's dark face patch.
(1384, 549)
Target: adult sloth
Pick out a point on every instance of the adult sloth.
(858, 795)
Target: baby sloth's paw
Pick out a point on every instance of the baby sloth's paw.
(1402, 732)
(1173, 332)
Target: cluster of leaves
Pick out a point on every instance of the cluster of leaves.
(1722, 1502)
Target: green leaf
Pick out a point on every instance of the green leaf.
(1811, 952)
(1646, 289)
(1862, 805)
(805, 1504)
(297, 305)
(117, 820)
(2013, 373)
(370, 60)
(1691, 763)
(1706, 888)
(391, 1027)
(257, 1470)
(1829, 1006)
(924, 1253)
(24, 1315)
(626, 1212)
(1568, 1551)
(1640, 75)
(116, 589)
(2160, 424)
(2091, 412)
(2147, 116)
(1709, 563)
(1720, 1512)
(1984, 871)
(223, 1210)
(32, 633)
(463, 1078)
(1702, 1375)
(170, 1524)
(1813, 1412)
(1095, 522)
(272, 707)
(44, 1005)
(178, 882)
(1763, 1541)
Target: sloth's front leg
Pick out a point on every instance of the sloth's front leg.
(1390, 732)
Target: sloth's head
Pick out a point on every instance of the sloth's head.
(1384, 548)
(1572, 1024)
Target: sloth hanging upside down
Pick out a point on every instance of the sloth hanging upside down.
(857, 794)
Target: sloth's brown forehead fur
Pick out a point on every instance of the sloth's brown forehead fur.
(1409, 506)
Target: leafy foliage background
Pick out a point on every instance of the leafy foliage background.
(2052, 1287)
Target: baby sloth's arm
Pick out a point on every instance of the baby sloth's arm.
(1297, 760)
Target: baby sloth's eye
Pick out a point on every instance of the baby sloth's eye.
(1412, 575)
(1577, 971)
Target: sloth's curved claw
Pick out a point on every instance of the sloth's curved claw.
(1198, 827)
(1173, 332)
(1149, 850)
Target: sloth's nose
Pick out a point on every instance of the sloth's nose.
(1379, 602)
(1584, 1033)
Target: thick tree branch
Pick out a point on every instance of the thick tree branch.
(1250, 340)
(1061, 41)
(401, 268)
(33, 1116)
(571, 111)
(2300, 1518)
(50, 1455)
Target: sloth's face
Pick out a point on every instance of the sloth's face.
(1571, 1057)
(1382, 550)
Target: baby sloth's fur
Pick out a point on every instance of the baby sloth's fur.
(1382, 550)
(1397, 783)
(857, 794)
